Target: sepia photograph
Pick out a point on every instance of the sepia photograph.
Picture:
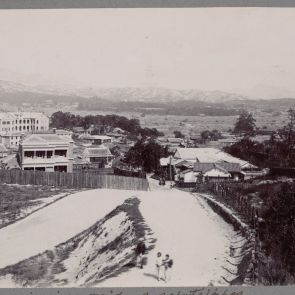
(147, 147)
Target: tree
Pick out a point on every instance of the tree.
(247, 150)
(134, 155)
(61, 120)
(215, 134)
(146, 155)
(205, 135)
(210, 135)
(285, 146)
(178, 134)
(102, 123)
(278, 232)
(245, 124)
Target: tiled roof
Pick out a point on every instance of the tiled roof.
(209, 155)
(98, 152)
(230, 167)
(43, 138)
(184, 163)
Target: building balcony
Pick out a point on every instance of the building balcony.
(45, 160)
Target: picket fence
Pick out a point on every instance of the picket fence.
(73, 180)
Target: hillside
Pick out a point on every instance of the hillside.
(145, 100)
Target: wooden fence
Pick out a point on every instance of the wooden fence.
(72, 180)
(93, 169)
(230, 195)
(129, 173)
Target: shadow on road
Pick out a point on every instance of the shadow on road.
(151, 275)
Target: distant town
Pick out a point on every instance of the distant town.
(33, 141)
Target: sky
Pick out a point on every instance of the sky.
(249, 51)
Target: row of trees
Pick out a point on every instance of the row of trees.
(101, 122)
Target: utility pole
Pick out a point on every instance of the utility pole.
(255, 253)
(170, 168)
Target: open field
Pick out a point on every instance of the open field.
(191, 125)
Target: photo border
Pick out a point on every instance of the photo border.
(59, 4)
(65, 4)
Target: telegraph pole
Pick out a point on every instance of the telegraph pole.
(170, 168)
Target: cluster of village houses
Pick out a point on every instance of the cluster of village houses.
(192, 165)
(27, 143)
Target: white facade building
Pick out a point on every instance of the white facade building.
(31, 121)
(46, 152)
(13, 126)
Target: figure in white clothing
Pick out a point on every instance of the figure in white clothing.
(159, 264)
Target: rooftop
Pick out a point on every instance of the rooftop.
(102, 137)
(45, 138)
(29, 115)
(17, 115)
(209, 155)
(204, 167)
(62, 132)
(97, 152)
(6, 116)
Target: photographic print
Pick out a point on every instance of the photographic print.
(147, 147)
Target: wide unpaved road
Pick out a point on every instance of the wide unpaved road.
(195, 237)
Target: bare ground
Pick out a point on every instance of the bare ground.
(99, 256)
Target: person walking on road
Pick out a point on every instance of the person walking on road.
(167, 265)
(159, 265)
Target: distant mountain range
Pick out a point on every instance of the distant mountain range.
(145, 100)
(161, 94)
(124, 94)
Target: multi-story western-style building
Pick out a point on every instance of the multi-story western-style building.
(46, 152)
(14, 125)
(23, 122)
